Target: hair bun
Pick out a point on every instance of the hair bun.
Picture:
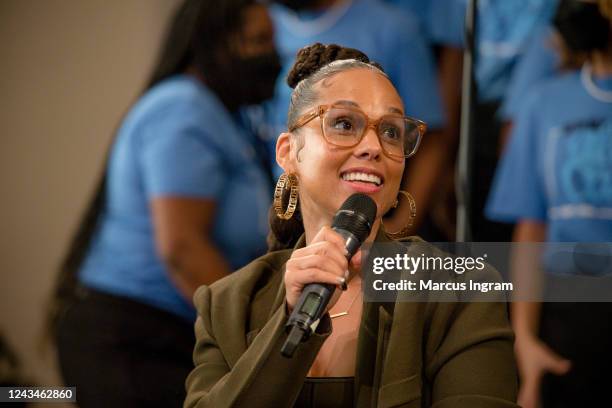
(312, 57)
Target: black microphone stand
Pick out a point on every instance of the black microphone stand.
(465, 161)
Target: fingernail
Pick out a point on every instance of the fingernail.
(346, 274)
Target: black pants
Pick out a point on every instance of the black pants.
(487, 128)
(121, 353)
(582, 333)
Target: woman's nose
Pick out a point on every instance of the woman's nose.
(369, 147)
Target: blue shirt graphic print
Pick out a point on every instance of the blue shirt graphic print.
(581, 154)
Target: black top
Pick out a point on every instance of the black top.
(326, 392)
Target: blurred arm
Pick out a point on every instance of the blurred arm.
(504, 137)
(425, 169)
(525, 315)
(450, 76)
(436, 153)
(182, 235)
(533, 356)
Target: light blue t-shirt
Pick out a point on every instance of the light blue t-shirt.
(383, 32)
(504, 29)
(557, 167)
(178, 140)
(420, 9)
(539, 62)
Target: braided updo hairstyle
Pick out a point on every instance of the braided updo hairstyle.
(313, 64)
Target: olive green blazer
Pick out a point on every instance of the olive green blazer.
(443, 355)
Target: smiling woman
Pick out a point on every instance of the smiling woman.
(346, 134)
(335, 140)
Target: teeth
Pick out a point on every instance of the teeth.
(368, 178)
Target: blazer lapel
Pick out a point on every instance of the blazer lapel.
(265, 306)
(268, 309)
(400, 382)
(384, 376)
(371, 348)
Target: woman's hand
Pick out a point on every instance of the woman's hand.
(535, 359)
(322, 261)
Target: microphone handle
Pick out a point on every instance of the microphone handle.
(312, 303)
(351, 242)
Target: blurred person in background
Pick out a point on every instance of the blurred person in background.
(555, 48)
(435, 25)
(504, 30)
(10, 370)
(392, 37)
(554, 182)
(420, 10)
(183, 202)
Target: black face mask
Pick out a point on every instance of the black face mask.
(245, 80)
(582, 26)
(258, 75)
(298, 5)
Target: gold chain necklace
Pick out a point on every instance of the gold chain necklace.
(346, 312)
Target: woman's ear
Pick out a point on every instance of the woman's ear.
(283, 152)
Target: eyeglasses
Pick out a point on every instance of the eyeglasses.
(343, 126)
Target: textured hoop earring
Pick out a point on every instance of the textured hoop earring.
(404, 231)
(286, 181)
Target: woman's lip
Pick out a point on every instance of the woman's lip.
(362, 187)
(363, 170)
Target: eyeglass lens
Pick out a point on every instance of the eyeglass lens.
(344, 127)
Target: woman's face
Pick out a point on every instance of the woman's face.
(256, 36)
(327, 174)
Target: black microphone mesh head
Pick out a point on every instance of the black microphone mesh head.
(356, 216)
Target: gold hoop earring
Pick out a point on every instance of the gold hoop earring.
(286, 181)
(404, 231)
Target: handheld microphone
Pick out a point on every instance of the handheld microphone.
(353, 222)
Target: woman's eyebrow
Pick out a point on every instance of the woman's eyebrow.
(395, 110)
(346, 102)
(351, 103)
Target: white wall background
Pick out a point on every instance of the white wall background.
(68, 71)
